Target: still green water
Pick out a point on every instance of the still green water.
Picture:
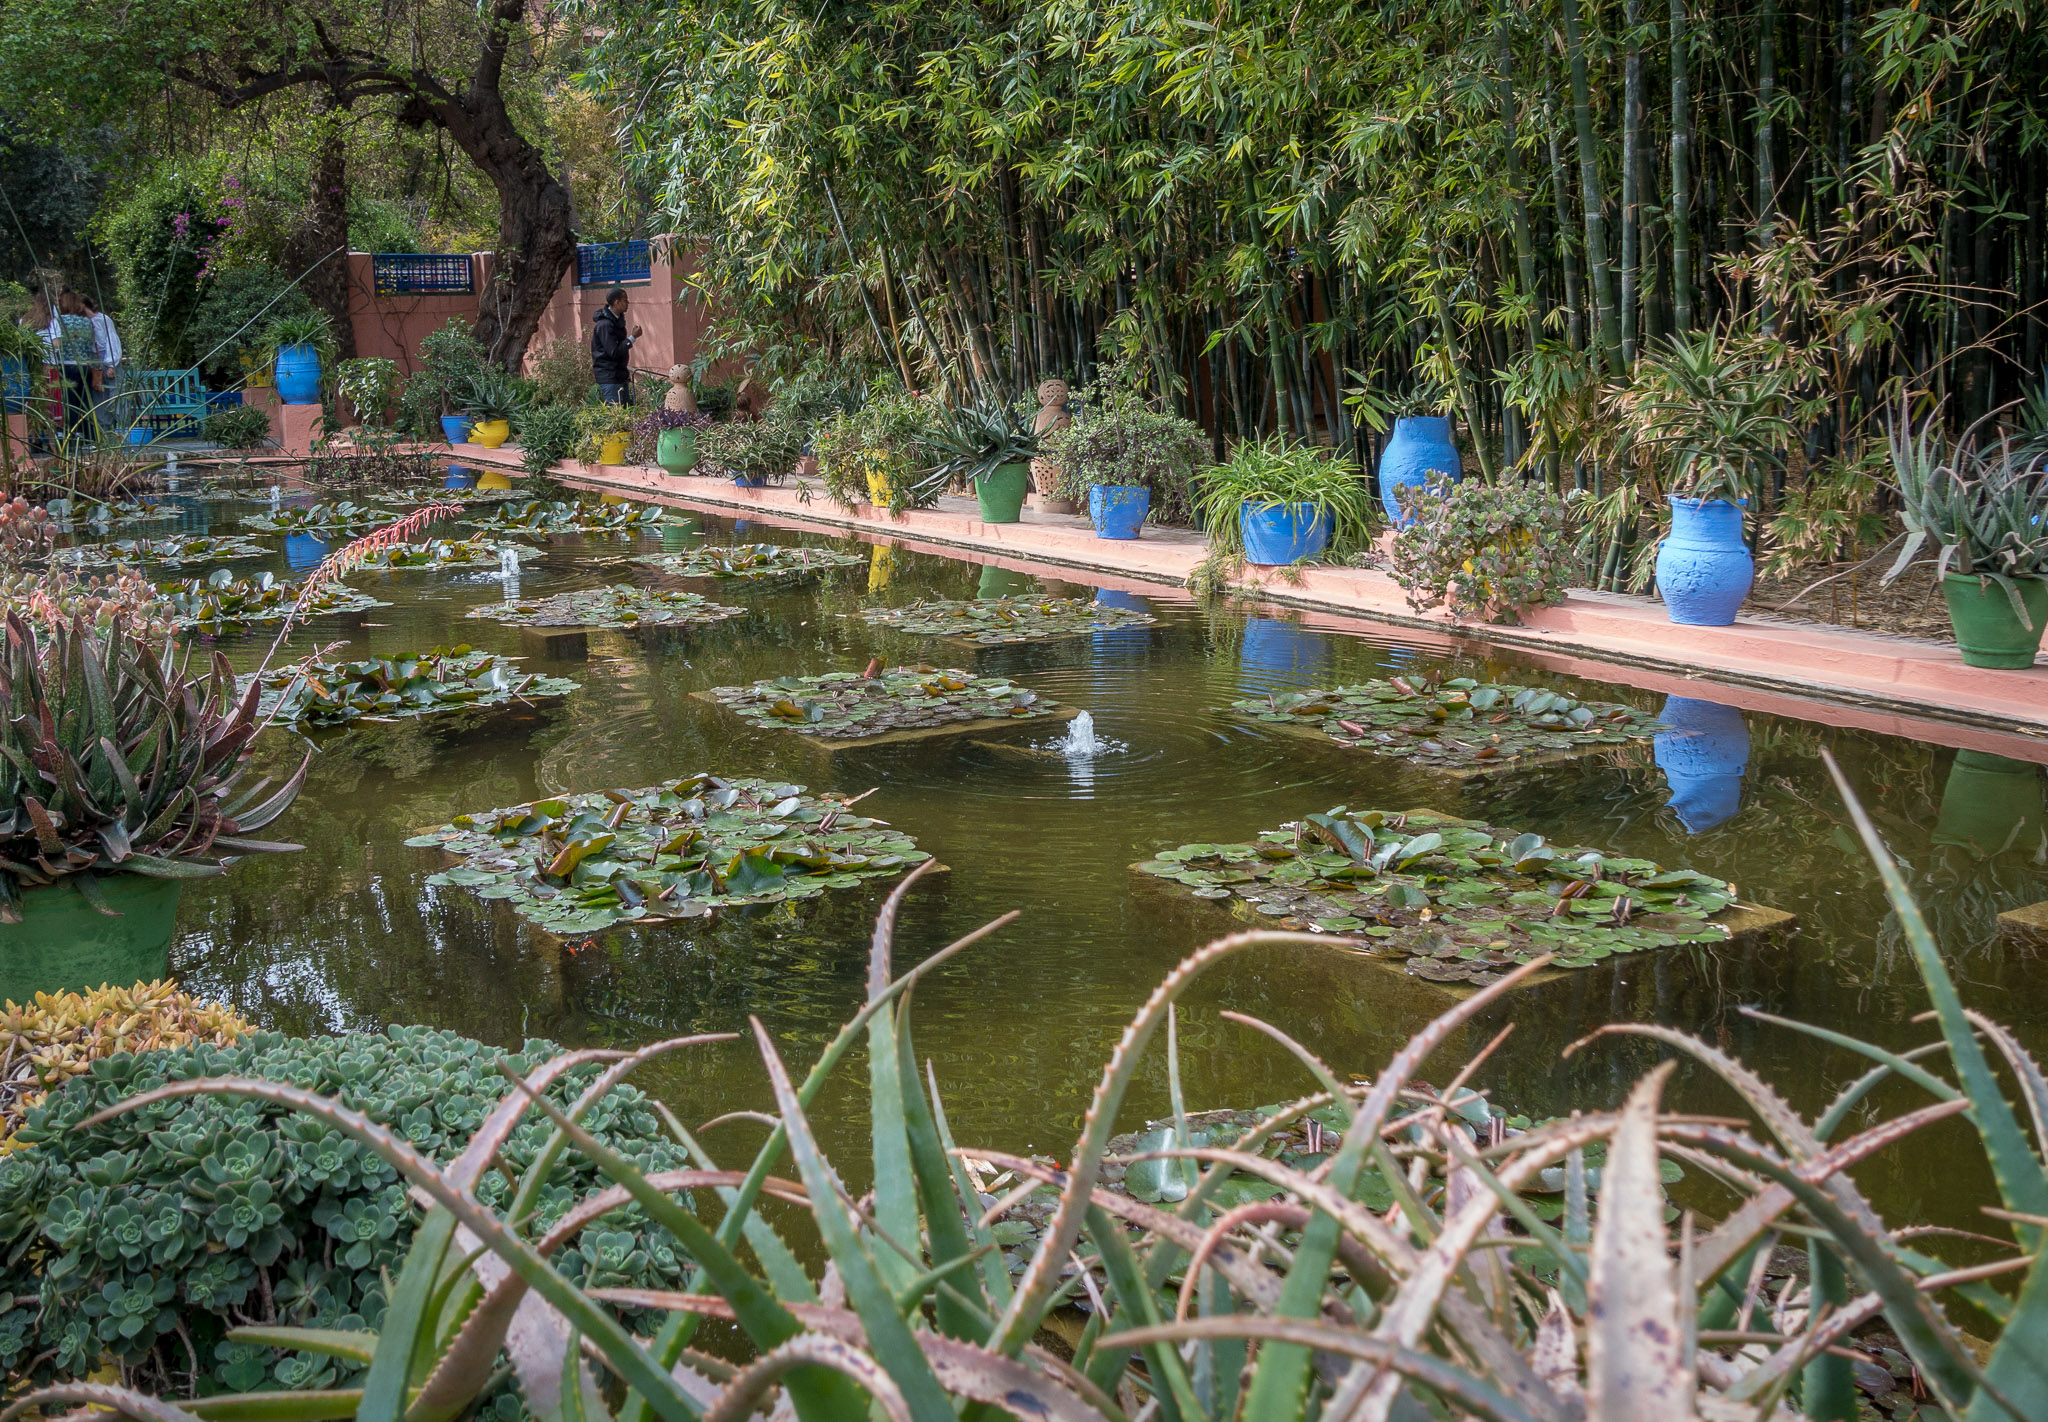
(348, 936)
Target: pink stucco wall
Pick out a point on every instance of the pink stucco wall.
(671, 318)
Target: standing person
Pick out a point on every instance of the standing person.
(610, 348)
(77, 348)
(107, 408)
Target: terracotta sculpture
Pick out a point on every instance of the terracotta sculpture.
(679, 396)
(1052, 415)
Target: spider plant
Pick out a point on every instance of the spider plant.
(1422, 1268)
(1269, 473)
(1721, 407)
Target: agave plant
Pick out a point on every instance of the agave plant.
(1408, 1273)
(971, 442)
(117, 759)
(1986, 509)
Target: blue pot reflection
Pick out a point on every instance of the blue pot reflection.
(1703, 757)
(1124, 642)
(1279, 655)
(303, 550)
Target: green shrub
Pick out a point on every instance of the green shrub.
(449, 359)
(755, 449)
(367, 383)
(1488, 551)
(227, 329)
(239, 427)
(205, 1213)
(1117, 438)
(561, 372)
(545, 434)
(884, 437)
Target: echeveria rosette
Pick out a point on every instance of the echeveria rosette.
(997, 620)
(172, 552)
(583, 516)
(849, 705)
(1460, 723)
(1460, 900)
(620, 605)
(750, 560)
(224, 600)
(582, 863)
(327, 693)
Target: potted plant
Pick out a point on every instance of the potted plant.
(1121, 456)
(294, 346)
(97, 829)
(1487, 552)
(870, 454)
(990, 444)
(367, 383)
(674, 434)
(757, 450)
(604, 430)
(432, 395)
(1722, 408)
(1278, 502)
(547, 435)
(1987, 511)
(1419, 451)
(491, 398)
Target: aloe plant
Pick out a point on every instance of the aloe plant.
(1985, 509)
(1296, 1300)
(116, 758)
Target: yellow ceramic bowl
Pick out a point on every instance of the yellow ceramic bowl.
(613, 449)
(490, 433)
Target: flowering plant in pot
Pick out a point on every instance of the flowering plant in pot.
(670, 437)
(1123, 458)
(988, 444)
(1987, 511)
(120, 777)
(869, 455)
(603, 432)
(1722, 407)
(1276, 502)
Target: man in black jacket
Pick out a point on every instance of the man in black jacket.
(610, 347)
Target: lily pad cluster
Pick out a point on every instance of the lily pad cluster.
(750, 560)
(1459, 723)
(129, 511)
(316, 692)
(341, 516)
(174, 551)
(846, 705)
(581, 863)
(224, 600)
(995, 620)
(442, 553)
(1459, 900)
(617, 606)
(561, 516)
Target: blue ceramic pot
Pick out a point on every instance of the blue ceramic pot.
(755, 481)
(1703, 757)
(1278, 654)
(459, 477)
(1283, 533)
(1419, 448)
(303, 550)
(455, 428)
(1117, 510)
(1704, 569)
(140, 434)
(298, 375)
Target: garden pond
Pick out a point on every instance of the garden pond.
(1048, 816)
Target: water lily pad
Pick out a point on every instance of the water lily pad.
(224, 600)
(341, 516)
(1458, 725)
(581, 863)
(444, 553)
(560, 516)
(1448, 894)
(617, 606)
(850, 705)
(992, 621)
(176, 551)
(328, 693)
(750, 561)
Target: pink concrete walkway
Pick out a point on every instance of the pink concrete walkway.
(1915, 687)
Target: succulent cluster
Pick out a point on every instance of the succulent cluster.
(27, 532)
(116, 758)
(195, 1216)
(55, 597)
(59, 1035)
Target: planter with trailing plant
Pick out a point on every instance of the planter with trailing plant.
(674, 436)
(869, 455)
(1277, 502)
(297, 346)
(988, 444)
(1986, 510)
(95, 836)
(492, 399)
(603, 432)
(1488, 552)
(753, 452)
(1121, 458)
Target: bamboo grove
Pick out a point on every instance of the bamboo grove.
(1306, 216)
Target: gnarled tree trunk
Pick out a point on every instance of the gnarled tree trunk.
(319, 239)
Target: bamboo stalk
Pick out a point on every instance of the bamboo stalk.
(1681, 170)
(1600, 276)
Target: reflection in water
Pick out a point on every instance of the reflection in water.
(1278, 655)
(303, 551)
(1001, 582)
(1703, 757)
(1990, 804)
(881, 566)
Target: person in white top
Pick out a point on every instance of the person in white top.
(106, 401)
(77, 346)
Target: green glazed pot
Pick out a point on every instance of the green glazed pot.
(1988, 632)
(64, 944)
(1990, 803)
(1001, 493)
(677, 451)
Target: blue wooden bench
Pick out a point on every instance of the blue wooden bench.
(163, 403)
